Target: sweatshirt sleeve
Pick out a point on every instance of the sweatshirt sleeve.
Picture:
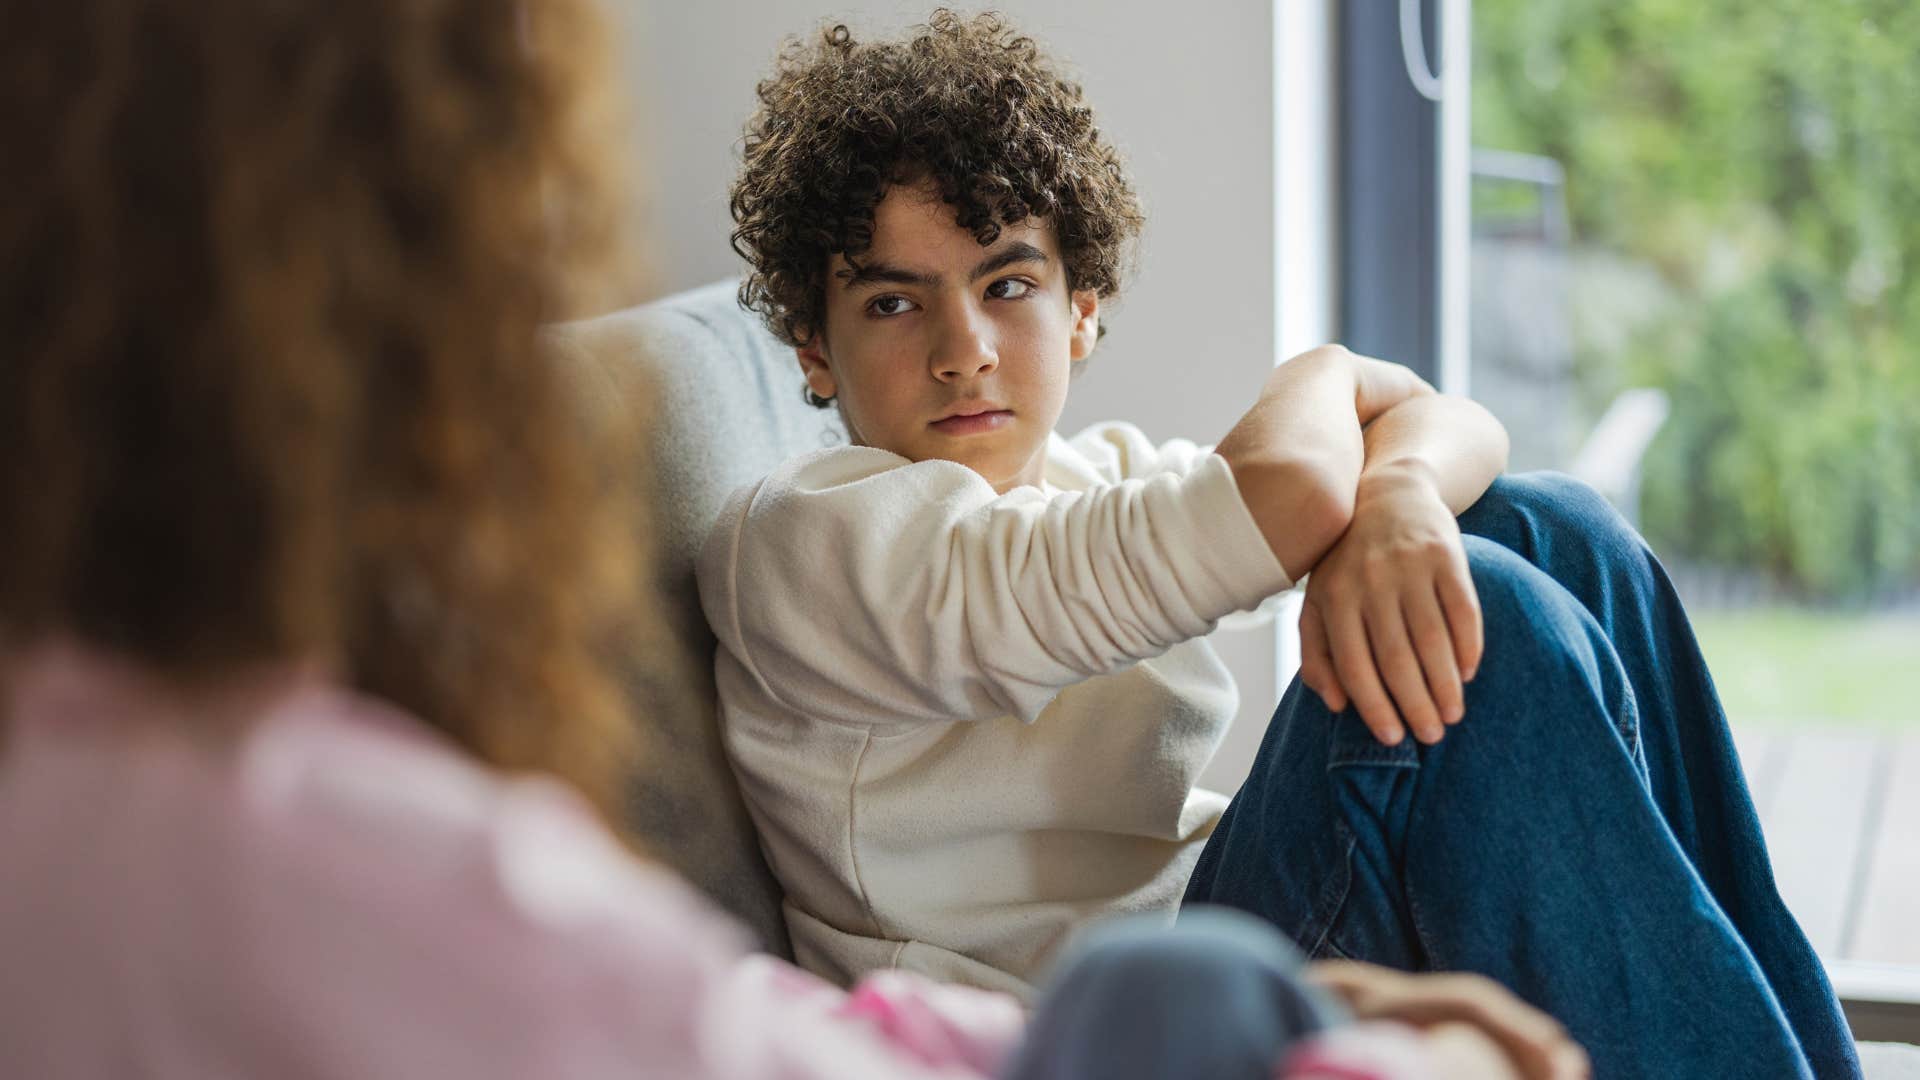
(856, 585)
(1116, 450)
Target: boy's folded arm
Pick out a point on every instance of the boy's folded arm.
(1297, 453)
(855, 586)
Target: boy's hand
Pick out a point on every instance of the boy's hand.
(1391, 621)
(1453, 1009)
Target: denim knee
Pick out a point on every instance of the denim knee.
(1569, 531)
(1556, 497)
(1540, 648)
(1553, 507)
(1514, 593)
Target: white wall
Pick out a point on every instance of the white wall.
(1187, 93)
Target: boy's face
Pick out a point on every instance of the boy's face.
(941, 348)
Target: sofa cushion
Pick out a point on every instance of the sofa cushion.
(721, 405)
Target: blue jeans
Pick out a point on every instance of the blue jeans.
(1216, 997)
(1584, 836)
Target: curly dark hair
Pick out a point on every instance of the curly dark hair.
(967, 104)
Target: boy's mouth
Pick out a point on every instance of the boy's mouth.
(972, 417)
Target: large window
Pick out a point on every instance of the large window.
(1704, 216)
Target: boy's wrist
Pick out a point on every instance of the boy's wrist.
(1399, 475)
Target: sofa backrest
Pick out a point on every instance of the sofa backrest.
(721, 402)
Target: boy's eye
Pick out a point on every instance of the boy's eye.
(1009, 289)
(889, 305)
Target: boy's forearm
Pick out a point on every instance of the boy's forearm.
(1296, 456)
(1451, 442)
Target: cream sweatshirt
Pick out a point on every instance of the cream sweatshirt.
(966, 723)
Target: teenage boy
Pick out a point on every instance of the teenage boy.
(962, 669)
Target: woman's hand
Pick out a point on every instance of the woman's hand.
(1391, 621)
(1460, 1014)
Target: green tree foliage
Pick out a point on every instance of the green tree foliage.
(1765, 160)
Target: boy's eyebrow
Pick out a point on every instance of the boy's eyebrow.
(857, 274)
(1007, 256)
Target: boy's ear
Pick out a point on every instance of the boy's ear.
(813, 364)
(1086, 324)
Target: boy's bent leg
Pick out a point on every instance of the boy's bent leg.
(1525, 846)
(1569, 531)
(1218, 996)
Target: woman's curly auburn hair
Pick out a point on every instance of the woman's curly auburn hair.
(965, 103)
(270, 280)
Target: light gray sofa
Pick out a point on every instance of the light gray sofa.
(720, 402)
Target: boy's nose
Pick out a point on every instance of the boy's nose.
(963, 352)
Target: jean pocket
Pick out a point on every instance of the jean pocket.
(1352, 743)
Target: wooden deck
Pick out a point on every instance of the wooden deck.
(1841, 813)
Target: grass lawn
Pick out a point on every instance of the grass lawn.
(1782, 666)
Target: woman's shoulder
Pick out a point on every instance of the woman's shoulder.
(387, 812)
(398, 872)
